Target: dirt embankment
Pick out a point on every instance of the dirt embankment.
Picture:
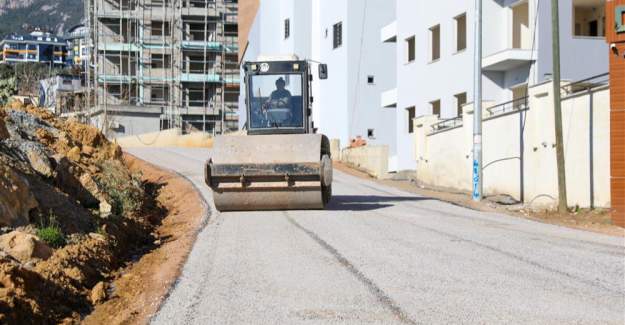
(141, 288)
(74, 216)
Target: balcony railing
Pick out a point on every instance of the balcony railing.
(587, 84)
(507, 107)
(447, 124)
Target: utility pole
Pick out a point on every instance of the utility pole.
(557, 106)
(477, 106)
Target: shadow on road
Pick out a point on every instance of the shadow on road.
(367, 202)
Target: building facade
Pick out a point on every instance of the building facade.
(344, 35)
(435, 55)
(78, 46)
(36, 47)
(164, 64)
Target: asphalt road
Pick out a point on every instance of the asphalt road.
(382, 256)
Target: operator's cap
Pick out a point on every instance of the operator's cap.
(280, 80)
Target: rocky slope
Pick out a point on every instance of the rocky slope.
(71, 214)
(21, 16)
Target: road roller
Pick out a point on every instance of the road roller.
(279, 162)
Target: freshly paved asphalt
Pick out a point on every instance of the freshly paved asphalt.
(379, 255)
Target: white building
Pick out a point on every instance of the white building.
(434, 51)
(345, 35)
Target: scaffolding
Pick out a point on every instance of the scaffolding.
(174, 60)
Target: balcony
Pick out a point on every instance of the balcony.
(388, 98)
(118, 47)
(388, 34)
(508, 59)
(200, 45)
(517, 50)
(199, 77)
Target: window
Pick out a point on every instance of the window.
(160, 61)
(370, 134)
(461, 32)
(521, 38)
(589, 18)
(410, 49)
(436, 107)
(160, 28)
(461, 99)
(435, 45)
(410, 111)
(159, 94)
(370, 80)
(271, 107)
(337, 35)
(287, 28)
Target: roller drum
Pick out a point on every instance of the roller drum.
(270, 172)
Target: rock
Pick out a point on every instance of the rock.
(39, 161)
(22, 125)
(502, 199)
(88, 150)
(4, 133)
(74, 273)
(85, 134)
(68, 182)
(16, 199)
(30, 265)
(93, 169)
(115, 151)
(105, 209)
(24, 247)
(74, 154)
(44, 136)
(98, 237)
(98, 293)
(89, 184)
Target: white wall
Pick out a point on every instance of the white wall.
(422, 81)
(444, 158)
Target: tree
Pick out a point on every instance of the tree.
(8, 84)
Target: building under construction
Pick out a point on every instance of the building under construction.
(161, 64)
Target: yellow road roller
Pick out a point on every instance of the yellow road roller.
(280, 163)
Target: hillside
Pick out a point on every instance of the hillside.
(21, 16)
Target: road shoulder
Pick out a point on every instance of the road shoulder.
(597, 221)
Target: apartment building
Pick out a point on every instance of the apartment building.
(35, 47)
(78, 46)
(344, 35)
(434, 54)
(162, 64)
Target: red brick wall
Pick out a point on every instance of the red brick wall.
(617, 114)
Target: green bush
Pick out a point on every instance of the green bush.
(8, 88)
(51, 234)
(125, 190)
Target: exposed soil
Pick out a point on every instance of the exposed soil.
(139, 289)
(597, 220)
(84, 231)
